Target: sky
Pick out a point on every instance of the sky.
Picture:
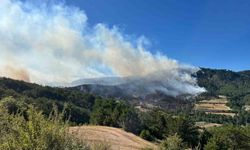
(207, 33)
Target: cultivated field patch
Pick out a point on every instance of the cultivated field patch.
(215, 106)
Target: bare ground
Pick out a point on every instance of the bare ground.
(118, 139)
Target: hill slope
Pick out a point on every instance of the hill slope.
(117, 138)
(235, 85)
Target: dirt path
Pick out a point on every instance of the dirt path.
(117, 138)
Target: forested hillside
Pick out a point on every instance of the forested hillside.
(44, 97)
(235, 85)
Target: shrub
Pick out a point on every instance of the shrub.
(35, 132)
(12, 105)
(145, 134)
(172, 143)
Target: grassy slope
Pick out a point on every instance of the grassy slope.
(117, 138)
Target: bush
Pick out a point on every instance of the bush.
(172, 143)
(35, 132)
(12, 105)
(145, 134)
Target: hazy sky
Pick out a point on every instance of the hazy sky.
(54, 43)
(58, 41)
(206, 33)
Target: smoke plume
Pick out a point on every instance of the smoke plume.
(15, 72)
(53, 44)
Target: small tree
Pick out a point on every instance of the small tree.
(172, 143)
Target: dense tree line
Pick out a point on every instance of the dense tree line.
(242, 118)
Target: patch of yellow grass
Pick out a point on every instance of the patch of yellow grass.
(207, 124)
(221, 113)
(118, 139)
(215, 107)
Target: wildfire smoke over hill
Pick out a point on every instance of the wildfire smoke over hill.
(53, 44)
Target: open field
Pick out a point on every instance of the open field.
(221, 113)
(207, 124)
(216, 101)
(118, 139)
(214, 106)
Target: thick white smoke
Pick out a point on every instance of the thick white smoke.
(53, 44)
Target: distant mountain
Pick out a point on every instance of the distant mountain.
(235, 85)
(151, 100)
(126, 87)
(136, 91)
(227, 82)
(245, 73)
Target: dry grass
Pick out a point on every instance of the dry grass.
(116, 138)
(207, 124)
(217, 100)
(221, 113)
(212, 107)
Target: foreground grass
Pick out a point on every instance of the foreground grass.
(30, 130)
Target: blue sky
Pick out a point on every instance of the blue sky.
(207, 33)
